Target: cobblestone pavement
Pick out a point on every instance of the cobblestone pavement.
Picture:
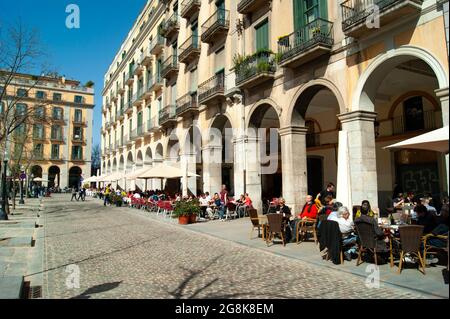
(121, 254)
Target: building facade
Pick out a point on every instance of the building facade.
(278, 98)
(54, 142)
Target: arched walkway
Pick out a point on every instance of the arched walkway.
(75, 177)
(54, 177)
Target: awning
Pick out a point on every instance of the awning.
(136, 174)
(166, 171)
(114, 177)
(91, 179)
(432, 141)
(40, 179)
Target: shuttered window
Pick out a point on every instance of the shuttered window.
(262, 36)
(219, 60)
(194, 80)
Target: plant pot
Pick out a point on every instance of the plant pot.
(183, 220)
(192, 219)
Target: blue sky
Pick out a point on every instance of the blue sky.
(85, 53)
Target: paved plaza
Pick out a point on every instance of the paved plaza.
(125, 253)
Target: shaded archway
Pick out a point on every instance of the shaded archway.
(36, 171)
(130, 162)
(54, 177)
(139, 160)
(148, 159)
(173, 157)
(121, 164)
(192, 160)
(75, 176)
(263, 155)
(114, 166)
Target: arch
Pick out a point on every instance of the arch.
(386, 61)
(121, 163)
(264, 103)
(315, 123)
(114, 166)
(108, 166)
(159, 152)
(172, 147)
(192, 137)
(75, 176)
(148, 158)
(313, 87)
(54, 176)
(130, 161)
(407, 95)
(303, 97)
(36, 170)
(139, 159)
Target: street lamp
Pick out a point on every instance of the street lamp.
(3, 215)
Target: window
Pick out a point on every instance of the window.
(219, 60)
(130, 125)
(77, 133)
(39, 112)
(194, 80)
(78, 116)
(21, 130)
(22, 93)
(139, 122)
(413, 114)
(55, 151)
(77, 152)
(307, 11)
(78, 99)
(57, 97)
(21, 109)
(38, 131)
(262, 36)
(40, 95)
(38, 151)
(2, 108)
(57, 113)
(56, 133)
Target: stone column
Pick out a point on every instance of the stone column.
(360, 129)
(212, 169)
(442, 94)
(239, 166)
(294, 166)
(253, 172)
(188, 165)
(156, 183)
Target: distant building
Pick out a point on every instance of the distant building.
(56, 139)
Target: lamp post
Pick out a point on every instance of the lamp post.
(3, 215)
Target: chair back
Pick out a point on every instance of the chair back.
(275, 222)
(253, 213)
(366, 234)
(411, 237)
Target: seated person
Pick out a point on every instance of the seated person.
(334, 211)
(346, 226)
(365, 218)
(329, 191)
(365, 210)
(309, 209)
(218, 205)
(246, 204)
(425, 218)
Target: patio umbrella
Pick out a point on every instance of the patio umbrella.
(436, 140)
(39, 179)
(136, 174)
(166, 171)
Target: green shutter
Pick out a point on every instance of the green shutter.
(323, 9)
(262, 36)
(298, 14)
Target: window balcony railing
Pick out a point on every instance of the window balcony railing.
(401, 126)
(129, 77)
(189, 50)
(189, 8)
(156, 83)
(312, 140)
(128, 107)
(120, 88)
(212, 89)
(356, 12)
(157, 45)
(187, 103)
(167, 115)
(137, 97)
(171, 26)
(306, 44)
(153, 124)
(170, 67)
(255, 69)
(216, 26)
(248, 6)
(79, 121)
(146, 57)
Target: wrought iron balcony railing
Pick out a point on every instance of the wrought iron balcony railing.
(212, 88)
(189, 7)
(167, 114)
(255, 69)
(186, 103)
(216, 26)
(189, 50)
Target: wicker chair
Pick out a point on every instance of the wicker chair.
(410, 240)
(429, 249)
(275, 226)
(368, 241)
(256, 222)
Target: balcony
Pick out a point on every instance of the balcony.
(187, 104)
(128, 139)
(170, 67)
(156, 83)
(170, 27)
(189, 50)
(78, 140)
(138, 97)
(400, 126)
(167, 115)
(138, 69)
(129, 107)
(148, 94)
(212, 89)
(114, 96)
(146, 57)
(120, 114)
(249, 6)
(129, 77)
(255, 70)
(313, 40)
(153, 124)
(58, 120)
(120, 88)
(356, 12)
(216, 26)
(157, 45)
(77, 158)
(189, 8)
(136, 133)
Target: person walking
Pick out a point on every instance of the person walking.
(74, 194)
(107, 194)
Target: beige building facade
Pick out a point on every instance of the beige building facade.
(278, 98)
(55, 140)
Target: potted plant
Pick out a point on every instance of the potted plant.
(180, 210)
(316, 31)
(194, 209)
